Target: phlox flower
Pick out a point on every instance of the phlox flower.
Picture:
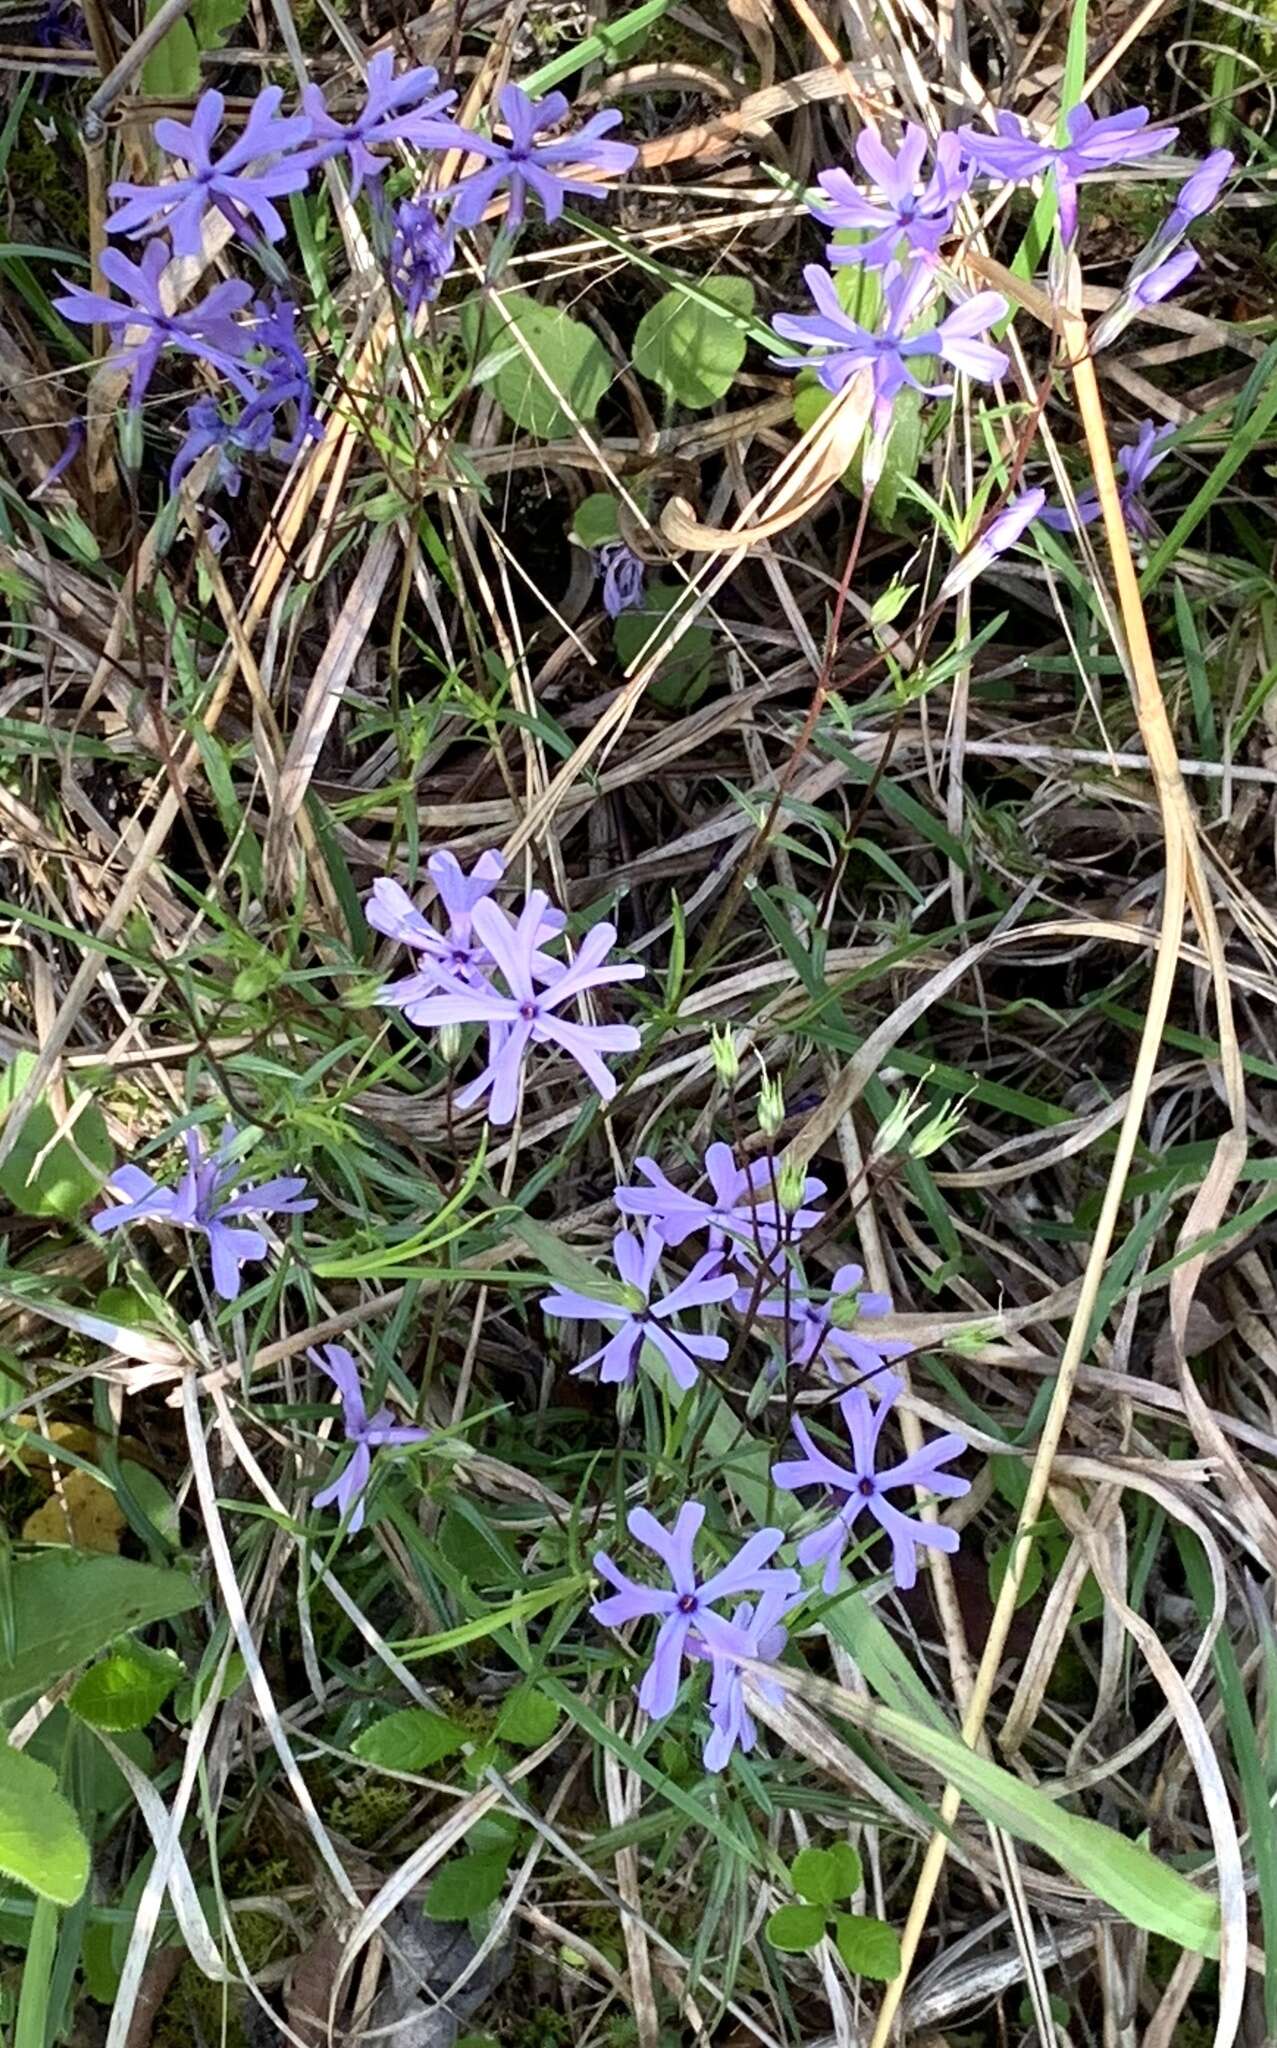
(1197, 195)
(525, 165)
(241, 194)
(832, 1332)
(740, 1210)
(919, 218)
(645, 1315)
(77, 427)
(1014, 154)
(1135, 465)
(1002, 532)
(623, 577)
(529, 1015)
(454, 955)
(207, 426)
(687, 1604)
(202, 1200)
(755, 1631)
(364, 1433)
(420, 253)
(860, 1486)
(142, 330)
(403, 109)
(1145, 287)
(845, 346)
(281, 372)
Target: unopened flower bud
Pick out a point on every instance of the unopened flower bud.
(771, 1106)
(449, 1043)
(791, 1184)
(940, 1127)
(844, 1310)
(722, 1045)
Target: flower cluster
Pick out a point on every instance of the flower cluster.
(489, 968)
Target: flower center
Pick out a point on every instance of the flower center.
(866, 1487)
(529, 1012)
(687, 1604)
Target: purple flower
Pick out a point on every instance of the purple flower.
(644, 1315)
(202, 1200)
(830, 1331)
(1135, 465)
(1001, 533)
(861, 1486)
(76, 429)
(623, 577)
(281, 370)
(1145, 287)
(525, 164)
(403, 109)
(60, 26)
(758, 1635)
(528, 1015)
(1198, 194)
(241, 195)
(687, 1605)
(455, 955)
(420, 254)
(742, 1205)
(208, 427)
(1015, 155)
(921, 219)
(367, 1434)
(206, 330)
(850, 347)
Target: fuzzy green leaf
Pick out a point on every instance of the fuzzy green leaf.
(68, 1606)
(557, 352)
(527, 1719)
(47, 1177)
(41, 1843)
(468, 1885)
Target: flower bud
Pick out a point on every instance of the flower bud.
(940, 1127)
(449, 1043)
(844, 1310)
(771, 1106)
(791, 1183)
(726, 1058)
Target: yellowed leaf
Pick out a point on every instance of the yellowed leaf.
(82, 1515)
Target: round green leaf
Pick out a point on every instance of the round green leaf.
(868, 1947)
(683, 676)
(691, 349)
(595, 521)
(815, 1876)
(796, 1928)
(848, 1874)
(42, 1177)
(411, 1740)
(41, 1844)
(127, 1688)
(550, 382)
(468, 1885)
(527, 1719)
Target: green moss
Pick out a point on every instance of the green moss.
(41, 194)
(365, 1811)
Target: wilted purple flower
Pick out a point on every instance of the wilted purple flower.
(206, 330)
(524, 164)
(202, 1200)
(403, 109)
(688, 1605)
(240, 194)
(456, 955)
(1143, 288)
(529, 1015)
(850, 347)
(1015, 154)
(831, 1331)
(60, 26)
(208, 427)
(623, 577)
(1001, 533)
(1135, 464)
(921, 219)
(742, 1205)
(366, 1433)
(281, 370)
(76, 429)
(861, 1486)
(644, 1315)
(755, 1632)
(420, 253)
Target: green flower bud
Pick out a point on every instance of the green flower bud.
(449, 1043)
(722, 1045)
(771, 1106)
(789, 1187)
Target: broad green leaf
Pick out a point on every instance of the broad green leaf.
(411, 1740)
(557, 352)
(127, 1689)
(468, 1885)
(67, 1606)
(867, 1946)
(71, 1170)
(594, 522)
(683, 676)
(796, 1928)
(41, 1843)
(815, 1877)
(527, 1719)
(172, 71)
(692, 351)
(849, 1874)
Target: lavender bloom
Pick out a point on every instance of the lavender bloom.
(688, 1605)
(240, 194)
(1001, 533)
(1197, 194)
(742, 1207)
(524, 164)
(202, 1200)
(420, 254)
(1014, 154)
(208, 427)
(206, 330)
(60, 25)
(829, 1331)
(759, 1636)
(863, 1487)
(528, 1015)
(921, 219)
(282, 372)
(850, 347)
(1144, 288)
(623, 577)
(366, 1433)
(1135, 465)
(456, 955)
(76, 429)
(403, 109)
(644, 1314)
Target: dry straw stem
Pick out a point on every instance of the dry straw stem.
(1182, 869)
